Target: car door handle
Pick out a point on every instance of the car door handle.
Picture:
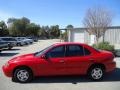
(61, 61)
(91, 59)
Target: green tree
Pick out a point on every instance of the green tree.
(43, 33)
(14, 30)
(65, 34)
(54, 31)
(3, 29)
(18, 27)
(32, 29)
(69, 26)
(11, 20)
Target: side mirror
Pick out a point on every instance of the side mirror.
(44, 57)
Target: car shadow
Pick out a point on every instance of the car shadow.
(13, 49)
(114, 76)
(7, 54)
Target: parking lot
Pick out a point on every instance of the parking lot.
(110, 82)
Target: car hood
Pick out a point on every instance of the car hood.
(25, 57)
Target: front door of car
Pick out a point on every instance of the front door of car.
(54, 63)
(76, 60)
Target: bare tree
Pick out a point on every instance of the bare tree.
(96, 21)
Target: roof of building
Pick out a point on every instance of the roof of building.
(82, 28)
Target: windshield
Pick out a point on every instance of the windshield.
(42, 51)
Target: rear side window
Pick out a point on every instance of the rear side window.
(74, 50)
(86, 51)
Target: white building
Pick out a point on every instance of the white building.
(112, 35)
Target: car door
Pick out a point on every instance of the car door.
(77, 59)
(55, 62)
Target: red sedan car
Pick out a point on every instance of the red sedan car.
(61, 59)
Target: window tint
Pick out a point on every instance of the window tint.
(74, 50)
(8, 39)
(86, 51)
(57, 52)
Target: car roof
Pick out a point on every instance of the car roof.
(69, 43)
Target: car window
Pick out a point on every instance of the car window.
(8, 39)
(74, 50)
(86, 51)
(43, 51)
(56, 52)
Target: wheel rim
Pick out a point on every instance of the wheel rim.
(23, 75)
(97, 73)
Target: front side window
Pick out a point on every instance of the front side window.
(56, 52)
(74, 50)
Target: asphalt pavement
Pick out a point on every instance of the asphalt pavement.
(110, 82)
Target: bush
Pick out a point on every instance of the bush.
(104, 46)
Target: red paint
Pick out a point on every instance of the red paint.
(61, 66)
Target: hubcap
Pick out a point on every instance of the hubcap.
(23, 75)
(97, 73)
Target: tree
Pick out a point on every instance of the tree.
(14, 29)
(96, 21)
(3, 29)
(70, 26)
(54, 31)
(32, 29)
(11, 20)
(65, 34)
(18, 27)
(43, 32)
(25, 20)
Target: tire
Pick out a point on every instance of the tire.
(96, 73)
(22, 75)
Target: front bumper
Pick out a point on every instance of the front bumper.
(7, 71)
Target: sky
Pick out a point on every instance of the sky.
(56, 12)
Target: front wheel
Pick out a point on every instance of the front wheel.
(96, 73)
(22, 75)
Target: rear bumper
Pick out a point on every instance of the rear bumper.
(110, 66)
(7, 71)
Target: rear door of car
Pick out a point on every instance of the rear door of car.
(77, 59)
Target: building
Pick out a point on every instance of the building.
(112, 35)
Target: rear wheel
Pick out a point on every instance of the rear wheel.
(22, 75)
(96, 73)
